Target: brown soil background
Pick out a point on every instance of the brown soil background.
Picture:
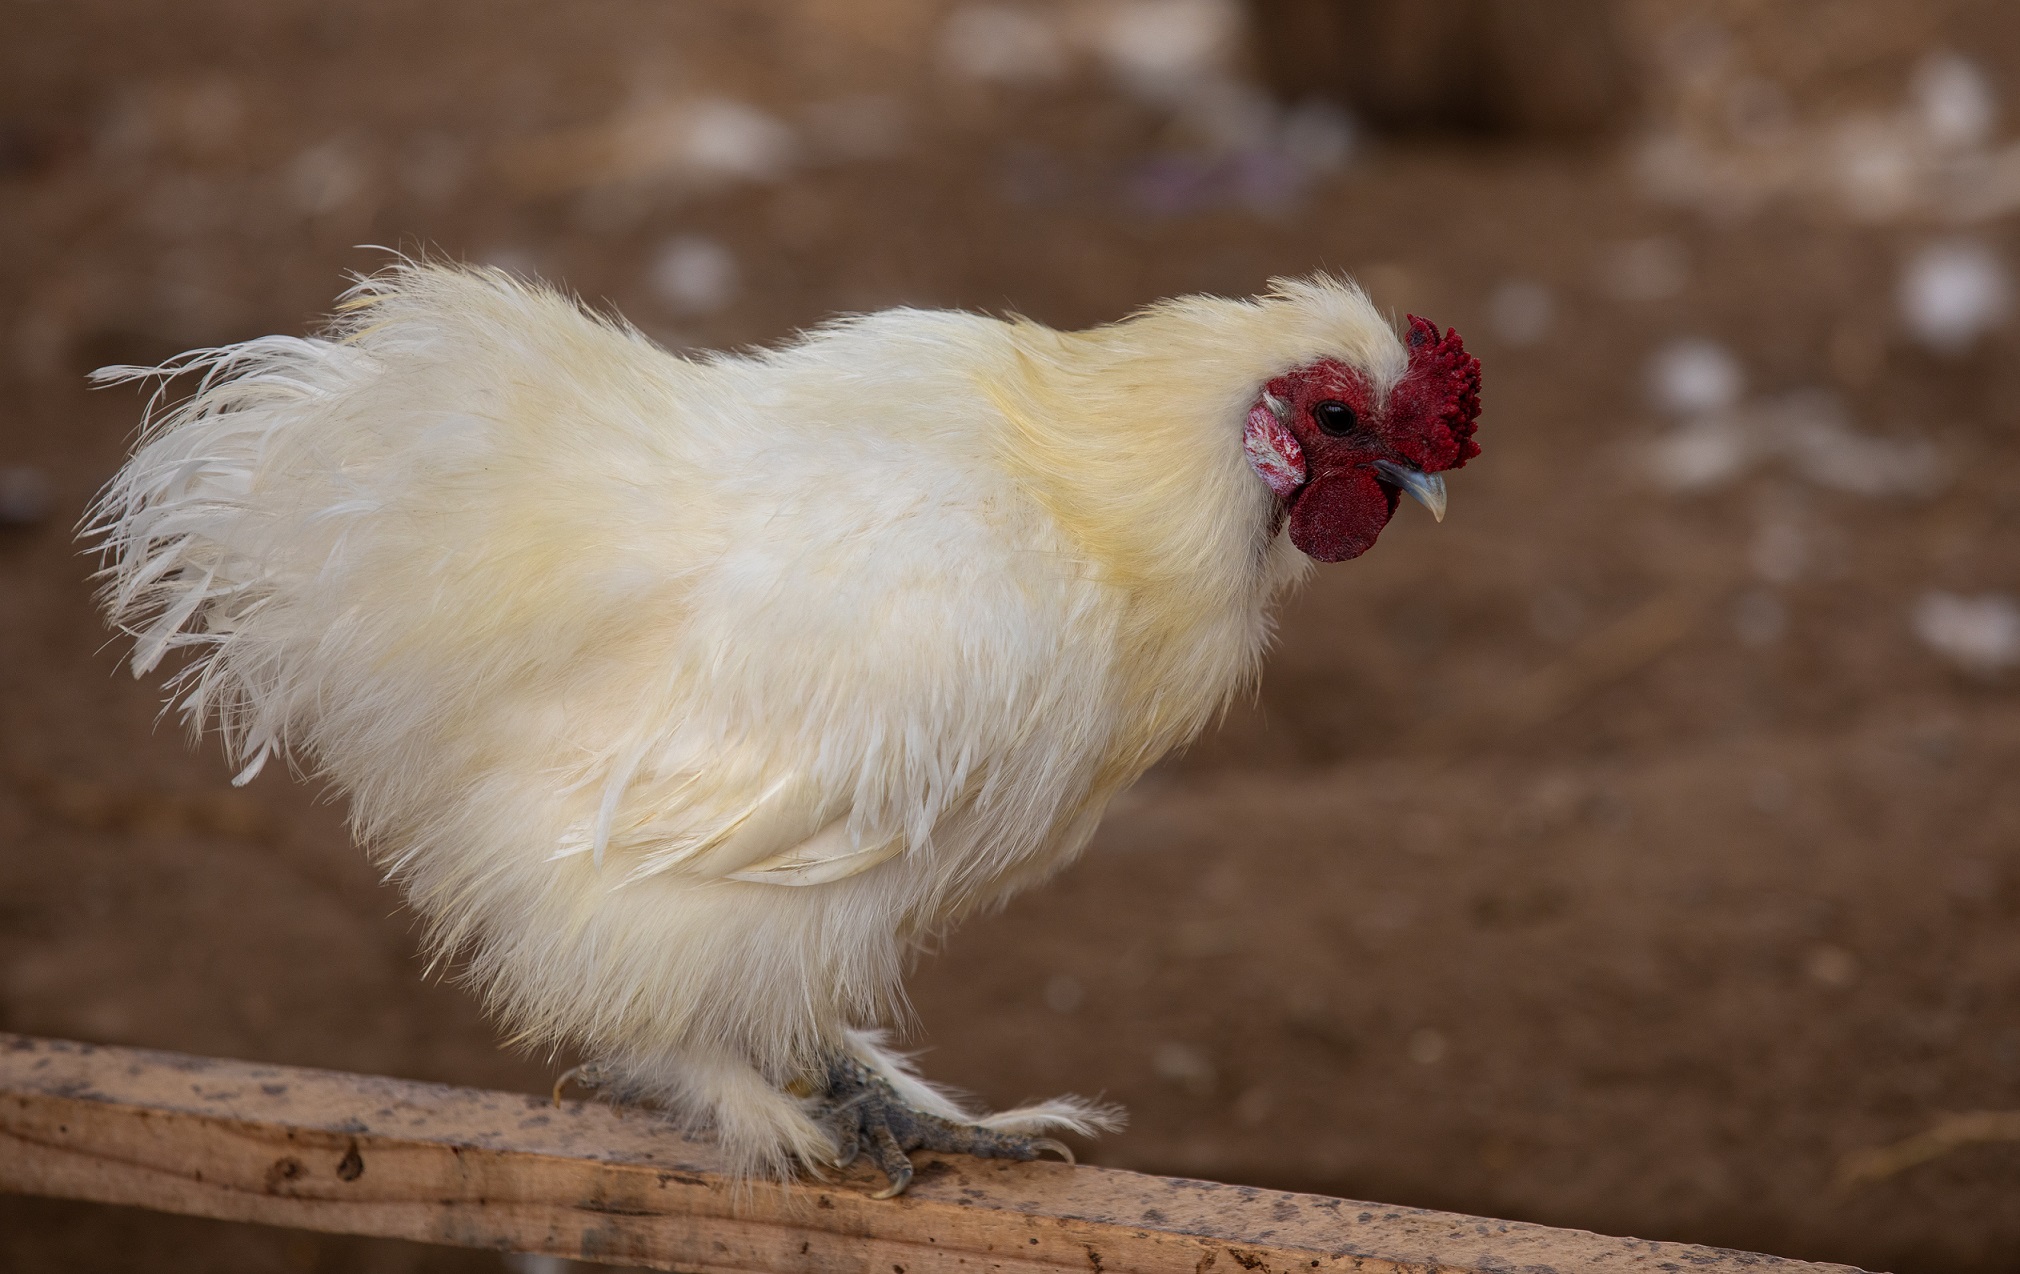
(1486, 904)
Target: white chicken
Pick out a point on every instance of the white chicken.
(684, 695)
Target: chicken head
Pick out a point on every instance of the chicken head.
(1339, 454)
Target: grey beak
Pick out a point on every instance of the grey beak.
(1427, 489)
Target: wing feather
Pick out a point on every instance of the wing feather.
(828, 855)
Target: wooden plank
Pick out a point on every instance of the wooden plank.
(355, 1154)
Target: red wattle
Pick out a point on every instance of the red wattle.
(1337, 516)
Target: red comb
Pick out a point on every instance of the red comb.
(1444, 384)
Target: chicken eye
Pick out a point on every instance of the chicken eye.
(1334, 417)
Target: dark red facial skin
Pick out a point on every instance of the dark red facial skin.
(1426, 422)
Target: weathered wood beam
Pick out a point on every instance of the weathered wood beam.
(358, 1154)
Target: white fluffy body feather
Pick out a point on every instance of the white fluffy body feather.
(683, 695)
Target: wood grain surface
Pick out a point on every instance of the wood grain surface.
(358, 1154)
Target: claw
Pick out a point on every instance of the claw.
(897, 1186)
(1059, 1148)
(892, 1159)
(850, 1146)
(586, 1072)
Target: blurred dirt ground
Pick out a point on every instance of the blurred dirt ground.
(1615, 855)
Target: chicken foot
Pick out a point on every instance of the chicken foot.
(867, 1113)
